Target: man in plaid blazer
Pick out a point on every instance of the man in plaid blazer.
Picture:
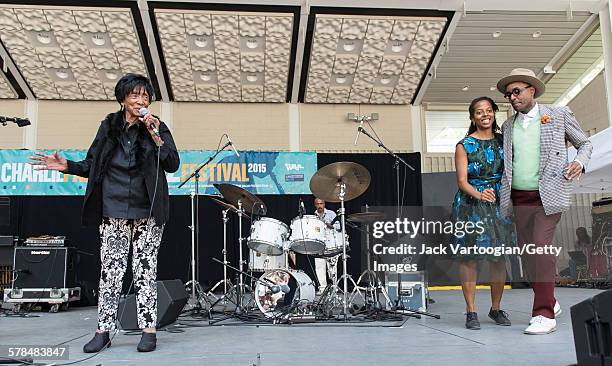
(536, 183)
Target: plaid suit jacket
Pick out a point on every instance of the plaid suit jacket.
(554, 188)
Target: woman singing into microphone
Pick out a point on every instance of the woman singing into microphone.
(127, 196)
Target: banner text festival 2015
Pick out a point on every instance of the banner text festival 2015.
(257, 172)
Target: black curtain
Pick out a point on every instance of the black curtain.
(60, 215)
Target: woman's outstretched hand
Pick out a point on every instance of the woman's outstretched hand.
(49, 162)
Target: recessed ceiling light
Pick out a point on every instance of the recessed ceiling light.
(397, 47)
(62, 74)
(341, 79)
(466, 88)
(497, 34)
(385, 80)
(251, 78)
(252, 43)
(536, 34)
(111, 75)
(98, 39)
(205, 77)
(44, 38)
(200, 42)
(349, 46)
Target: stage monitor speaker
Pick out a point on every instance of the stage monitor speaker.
(171, 299)
(591, 320)
(44, 267)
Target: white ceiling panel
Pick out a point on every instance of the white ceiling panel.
(64, 53)
(365, 59)
(478, 59)
(243, 57)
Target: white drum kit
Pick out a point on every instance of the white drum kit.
(280, 290)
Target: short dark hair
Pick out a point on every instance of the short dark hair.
(472, 109)
(130, 82)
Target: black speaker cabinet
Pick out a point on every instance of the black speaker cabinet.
(171, 299)
(44, 267)
(591, 320)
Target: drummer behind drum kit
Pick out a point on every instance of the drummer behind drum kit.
(282, 291)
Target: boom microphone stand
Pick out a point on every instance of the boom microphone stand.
(399, 305)
(196, 290)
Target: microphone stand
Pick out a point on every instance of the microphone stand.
(195, 231)
(399, 303)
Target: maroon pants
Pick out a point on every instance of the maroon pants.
(533, 226)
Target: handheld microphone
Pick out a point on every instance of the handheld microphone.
(143, 112)
(359, 129)
(232, 145)
(280, 288)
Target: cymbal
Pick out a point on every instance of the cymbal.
(325, 184)
(223, 204)
(250, 203)
(366, 217)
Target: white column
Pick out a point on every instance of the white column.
(416, 129)
(294, 126)
(605, 15)
(30, 132)
(166, 112)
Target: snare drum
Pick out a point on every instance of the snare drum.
(333, 242)
(307, 235)
(296, 287)
(268, 236)
(262, 262)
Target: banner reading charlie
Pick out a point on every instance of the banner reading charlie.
(257, 172)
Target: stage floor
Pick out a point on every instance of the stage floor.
(425, 341)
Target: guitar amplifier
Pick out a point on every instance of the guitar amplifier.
(413, 290)
(45, 267)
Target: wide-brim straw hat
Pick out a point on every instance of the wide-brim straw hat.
(524, 75)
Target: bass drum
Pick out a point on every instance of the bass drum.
(285, 288)
(262, 262)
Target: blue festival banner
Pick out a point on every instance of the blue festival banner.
(257, 172)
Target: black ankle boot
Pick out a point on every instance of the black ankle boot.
(97, 343)
(147, 343)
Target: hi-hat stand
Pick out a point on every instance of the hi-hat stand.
(225, 281)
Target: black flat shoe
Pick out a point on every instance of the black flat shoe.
(148, 342)
(500, 317)
(97, 343)
(471, 321)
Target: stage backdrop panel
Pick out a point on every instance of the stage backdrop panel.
(257, 172)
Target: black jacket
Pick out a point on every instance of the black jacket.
(100, 153)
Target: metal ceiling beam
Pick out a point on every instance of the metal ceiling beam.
(10, 65)
(430, 73)
(605, 15)
(452, 5)
(143, 6)
(299, 57)
(570, 47)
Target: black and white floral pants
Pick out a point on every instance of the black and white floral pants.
(116, 236)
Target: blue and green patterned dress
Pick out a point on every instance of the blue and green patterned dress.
(485, 169)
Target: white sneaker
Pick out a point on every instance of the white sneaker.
(541, 325)
(557, 309)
